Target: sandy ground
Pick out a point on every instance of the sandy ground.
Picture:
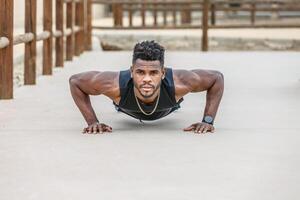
(254, 153)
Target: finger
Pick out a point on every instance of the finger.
(197, 129)
(95, 129)
(108, 129)
(101, 129)
(89, 130)
(190, 128)
(212, 129)
(206, 129)
(84, 130)
(201, 130)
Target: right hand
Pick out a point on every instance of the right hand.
(97, 128)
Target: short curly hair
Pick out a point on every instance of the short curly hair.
(149, 50)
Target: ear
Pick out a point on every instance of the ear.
(131, 70)
(164, 72)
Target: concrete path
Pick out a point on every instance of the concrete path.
(254, 153)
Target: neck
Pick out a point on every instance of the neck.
(146, 100)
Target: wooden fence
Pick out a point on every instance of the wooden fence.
(76, 32)
(184, 8)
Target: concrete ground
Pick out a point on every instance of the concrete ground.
(254, 153)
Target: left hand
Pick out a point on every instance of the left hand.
(200, 127)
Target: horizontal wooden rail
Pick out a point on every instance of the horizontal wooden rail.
(256, 2)
(185, 26)
(192, 1)
(68, 32)
(254, 26)
(43, 36)
(57, 33)
(262, 9)
(28, 37)
(4, 42)
(145, 2)
(165, 9)
(77, 29)
(23, 38)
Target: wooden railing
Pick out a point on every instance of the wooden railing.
(184, 8)
(77, 34)
(121, 8)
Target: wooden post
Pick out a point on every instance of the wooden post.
(174, 15)
(59, 41)
(88, 36)
(47, 43)
(118, 14)
(213, 14)
(81, 24)
(30, 47)
(77, 34)
(186, 15)
(155, 14)
(70, 38)
(6, 54)
(165, 15)
(143, 15)
(130, 14)
(205, 25)
(253, 10)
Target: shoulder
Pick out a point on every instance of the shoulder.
(97, 82)
(185, 79)
(196, 80)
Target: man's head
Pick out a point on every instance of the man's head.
(147, 68)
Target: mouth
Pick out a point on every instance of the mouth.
(147, 88)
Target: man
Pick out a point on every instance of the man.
(148, 91)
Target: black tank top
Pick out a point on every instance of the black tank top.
(166, 105)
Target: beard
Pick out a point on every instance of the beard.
(147, 96)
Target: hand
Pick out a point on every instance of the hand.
(97, 128)
(200, 128)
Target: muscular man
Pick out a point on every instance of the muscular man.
(148, 90)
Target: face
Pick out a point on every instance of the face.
(147, 77)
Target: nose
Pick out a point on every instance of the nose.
(147, 78)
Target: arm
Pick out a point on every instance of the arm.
(92, 83)
(213, 83)
(203, 80)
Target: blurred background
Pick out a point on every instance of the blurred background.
(239, 25)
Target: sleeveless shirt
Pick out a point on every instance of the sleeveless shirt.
(166, 105)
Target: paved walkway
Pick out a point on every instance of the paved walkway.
(254, 153)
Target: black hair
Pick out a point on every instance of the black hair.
(149, 50)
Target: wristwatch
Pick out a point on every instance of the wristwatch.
(208, 119)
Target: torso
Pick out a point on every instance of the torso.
(167, 103)
(180, 88)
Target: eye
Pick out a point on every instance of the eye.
(139, 72)
(154, 73)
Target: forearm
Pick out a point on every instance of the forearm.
(82, 100)
(214, 96)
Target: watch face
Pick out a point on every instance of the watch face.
(208, 119)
